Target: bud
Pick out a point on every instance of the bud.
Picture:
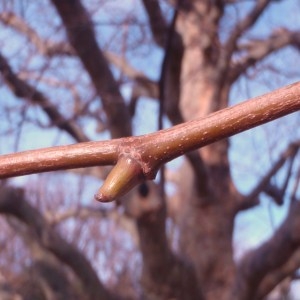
(126, 174)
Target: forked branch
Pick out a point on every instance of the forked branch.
(138, 158)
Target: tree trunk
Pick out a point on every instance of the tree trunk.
(207, 214)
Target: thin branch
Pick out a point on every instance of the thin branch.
(296, 186)
(13, 202)
(251, 199)
(257, 50)
(51, 48)
(140, 157)
(42, 258)
(243, 26)
(45, 47)
(288, 176)
(271, 255)
(79, 212)
(59, 158)
(24, 90)
(143, 86)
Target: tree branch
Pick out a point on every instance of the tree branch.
(140, 157)
(166, 34)
(256, 50)
(143, 86)
(157, 21)
(276, 276)
(243, 26)
(24, 90)
(46, 272)
(13, 202)
(269, 256)
(251, 199)
(51, 48)
(45, 47)
(82, 37)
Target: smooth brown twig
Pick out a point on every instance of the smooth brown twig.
(138, 158)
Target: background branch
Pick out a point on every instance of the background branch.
(82, 38)
(13, 202)
(279, 274)
(258, 49)
(269, 256)
(251, 199)
(45, 47)
(244, 25)
(24, 90)
(157, 22)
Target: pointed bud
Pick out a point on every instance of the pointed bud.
(126, 174)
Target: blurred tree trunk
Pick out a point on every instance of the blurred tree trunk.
(207, 210)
